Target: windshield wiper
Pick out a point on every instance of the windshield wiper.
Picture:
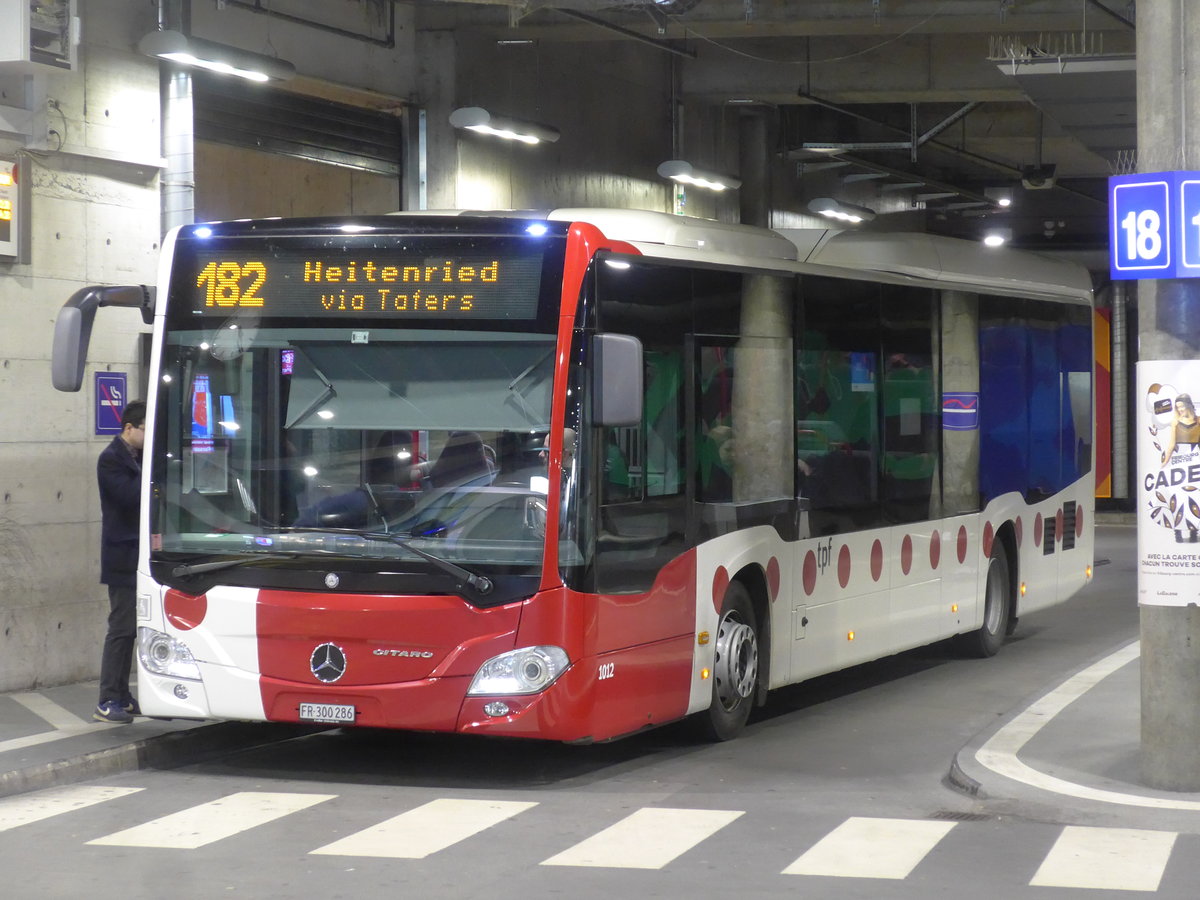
(216, 565)
(481, 583)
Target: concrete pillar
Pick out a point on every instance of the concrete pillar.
(1120, 373)
(762, 391)
(178, 180)
(1168, 100)
(754, 167)
(960, 373)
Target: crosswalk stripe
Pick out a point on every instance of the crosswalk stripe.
(209, 822)
(47, 710)
(871, 848)
(647, 839)
(16, 811)
(1120, 859)
(426, 829)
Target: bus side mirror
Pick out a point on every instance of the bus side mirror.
(616, 380)
(73, 327)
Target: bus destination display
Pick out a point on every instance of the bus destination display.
(368, 284)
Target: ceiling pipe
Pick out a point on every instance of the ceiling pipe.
(624, 32)
(258, 7)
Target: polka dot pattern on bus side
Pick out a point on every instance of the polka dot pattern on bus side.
(773, 578)
(1078, 522)
(906, 554)
(1037, 529)
(720, 586)
(935, 549)
(962, 544)
(1020, 529)
(876, 560)
(844, 566)
(810, 572)
(185, 611)
(988, 537)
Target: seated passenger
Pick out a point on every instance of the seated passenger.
(462, 460)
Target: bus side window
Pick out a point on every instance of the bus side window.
(837, 405)
(622, 476)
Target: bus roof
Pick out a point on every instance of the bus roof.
(904, 256)
(895, 256)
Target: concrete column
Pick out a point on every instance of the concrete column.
(762, 391)
(754, 154)
(178, 180)
(960, 372)
(1168, 100)
(1120, 372)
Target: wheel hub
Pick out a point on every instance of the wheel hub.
(736, 667)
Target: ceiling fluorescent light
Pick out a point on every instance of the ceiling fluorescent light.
(1001, 196)
(684, 172)
(202, 54)
(476, 118)
(842, 212)
(997, 237)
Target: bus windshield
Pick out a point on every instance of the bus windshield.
(291, 435)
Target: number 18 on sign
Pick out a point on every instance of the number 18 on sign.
(1154, 225)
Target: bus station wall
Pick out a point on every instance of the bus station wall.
(94, 215)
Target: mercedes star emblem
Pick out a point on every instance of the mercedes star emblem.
(332, 581)
(328, 662)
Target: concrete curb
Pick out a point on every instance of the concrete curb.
(163, 751)
(964, 783)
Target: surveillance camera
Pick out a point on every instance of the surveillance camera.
(1037, 178)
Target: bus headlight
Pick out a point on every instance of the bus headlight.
(524, 671)
(163, 655)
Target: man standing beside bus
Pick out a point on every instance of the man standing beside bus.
(119, 474)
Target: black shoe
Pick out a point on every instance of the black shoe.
(131, 706)
(112, 711)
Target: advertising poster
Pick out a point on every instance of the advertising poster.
(1168, 462)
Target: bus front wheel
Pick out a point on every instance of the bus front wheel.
(735, 667)
(997, 608)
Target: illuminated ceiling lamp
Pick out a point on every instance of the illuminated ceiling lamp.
(476, 118)
(199, 53)
(997, 237)
(685, 173)
(1001, 196)
(841, 212)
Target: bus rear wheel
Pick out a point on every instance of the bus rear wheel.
(997, 609)
(735, 667)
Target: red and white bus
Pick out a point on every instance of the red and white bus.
(575, 475)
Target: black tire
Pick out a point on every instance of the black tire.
(997, 609)
(735, 668)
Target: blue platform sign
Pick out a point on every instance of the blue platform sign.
(960, 410)
(1154, 225)
(110, 401)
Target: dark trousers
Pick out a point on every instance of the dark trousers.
(118, 645)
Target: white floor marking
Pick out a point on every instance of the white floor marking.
(48, 710)
(49, 737)
(426, 829)
(1115, 859)
(209, 822)
(1000, 751)
(871, 848)
(648, 839)
(16, 811)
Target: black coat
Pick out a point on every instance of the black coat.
(119, 474)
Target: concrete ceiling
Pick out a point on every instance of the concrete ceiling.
(955, 97)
